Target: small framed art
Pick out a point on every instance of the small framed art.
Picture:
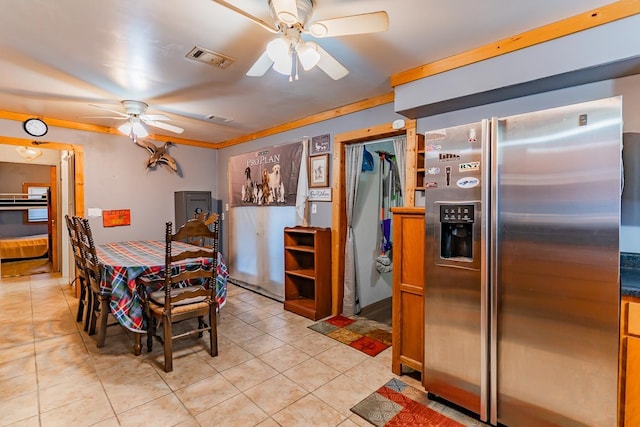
(320, 144)
(319, 171)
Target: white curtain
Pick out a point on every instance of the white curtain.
(400, 149)
(302, 192)
(353, 167)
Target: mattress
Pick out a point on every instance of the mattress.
(24, 247)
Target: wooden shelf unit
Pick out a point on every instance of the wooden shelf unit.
(420, 175)
(307, 271)
(408, 289)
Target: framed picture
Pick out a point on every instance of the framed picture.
(319, 171)
(320, 144)
(320, 195)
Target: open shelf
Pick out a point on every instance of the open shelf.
(307, 268)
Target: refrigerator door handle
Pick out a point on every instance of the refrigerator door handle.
(493, 270)
(484, 274)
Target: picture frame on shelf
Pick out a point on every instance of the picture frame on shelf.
(319, 171)
(320, 144)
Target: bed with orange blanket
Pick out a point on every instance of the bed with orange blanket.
(35, 246)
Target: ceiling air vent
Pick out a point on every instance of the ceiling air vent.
(218, 119)
(210, 57)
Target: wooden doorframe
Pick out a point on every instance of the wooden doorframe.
(339, 212)
(78, 179)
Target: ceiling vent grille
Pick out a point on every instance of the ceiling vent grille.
(218, 119)
(210, 57)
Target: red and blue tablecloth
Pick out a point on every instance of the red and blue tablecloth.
(123, 262)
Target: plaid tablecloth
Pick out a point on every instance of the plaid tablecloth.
(123, 262)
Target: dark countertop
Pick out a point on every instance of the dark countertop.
(630, 274)
(630, 282)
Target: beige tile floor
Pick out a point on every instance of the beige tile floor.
(271, 369)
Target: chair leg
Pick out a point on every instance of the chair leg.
(104, 314)
(168, 344)
(137, 346)
(83, 292)
(213, 332)
(90, 315)
(151, 331)
(201, 325)
(95, 306)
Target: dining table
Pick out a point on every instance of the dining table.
(123, 262)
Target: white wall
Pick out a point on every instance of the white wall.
(354, 121)
(116, 178)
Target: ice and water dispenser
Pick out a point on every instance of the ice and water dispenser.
(457, 234)
(456, 231)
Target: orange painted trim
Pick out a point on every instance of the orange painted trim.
(315, 118)
(67, 124)
(584, 21)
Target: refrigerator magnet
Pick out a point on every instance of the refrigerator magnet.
(468, 182)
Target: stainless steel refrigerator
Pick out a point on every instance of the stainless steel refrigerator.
(522, 266)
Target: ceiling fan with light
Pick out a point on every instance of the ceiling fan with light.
(134, 114)
(292, 19)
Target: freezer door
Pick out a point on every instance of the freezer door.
(455, 336)
(556, 216)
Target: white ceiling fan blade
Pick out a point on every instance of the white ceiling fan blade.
(156, 117)
(247, 15)
(165, 126)
(104, 117)
(328, 63)
(286, 10)
(120, 113)
(261, 66)
(355, 24)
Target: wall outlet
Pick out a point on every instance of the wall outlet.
(222, 216)
(314, 208)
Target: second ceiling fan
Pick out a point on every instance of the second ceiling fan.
(135, 115)
(292, 18)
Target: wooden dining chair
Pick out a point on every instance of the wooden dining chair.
(100, 299)
(84, 300)
(187, 293)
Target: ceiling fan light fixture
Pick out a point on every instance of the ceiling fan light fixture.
(134, 129)
(308, 55)
(278, 50)
(29, 153)
(139, 130)
(125, 128)
(283, 66)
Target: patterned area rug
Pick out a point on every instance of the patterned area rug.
(366, 335)
(397, 404)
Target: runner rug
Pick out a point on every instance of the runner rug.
(397, 404)
(368, 336)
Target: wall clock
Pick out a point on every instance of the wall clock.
(35, 127)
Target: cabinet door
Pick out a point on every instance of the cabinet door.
(632, 383)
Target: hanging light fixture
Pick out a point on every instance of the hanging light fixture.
(29, 153)
(133, 128)
(285, 53)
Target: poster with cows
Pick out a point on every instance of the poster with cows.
(267, 177)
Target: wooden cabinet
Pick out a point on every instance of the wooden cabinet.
(307, 271)
(408, 289)
(630, 361)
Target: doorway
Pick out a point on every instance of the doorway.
(67, 169)
(28, 226)
(339, 216)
